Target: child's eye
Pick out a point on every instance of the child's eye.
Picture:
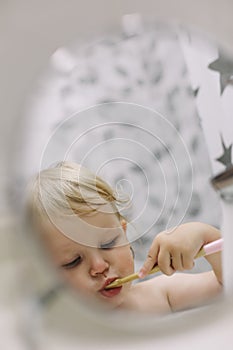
(73, 263)
(109, 245)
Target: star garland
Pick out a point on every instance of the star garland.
(223, 65)
(225, 158)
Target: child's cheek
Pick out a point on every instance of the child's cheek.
(76, 279)
(125, 261)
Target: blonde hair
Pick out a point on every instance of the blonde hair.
(69, 188)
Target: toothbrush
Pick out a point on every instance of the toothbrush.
(207, 249)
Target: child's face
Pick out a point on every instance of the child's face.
(88, 268)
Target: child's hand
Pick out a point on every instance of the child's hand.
(175, 249)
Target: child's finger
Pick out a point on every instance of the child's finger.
(176, 261)
(150, 261)
(164, 262)
(188, 262)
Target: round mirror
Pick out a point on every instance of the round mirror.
(117, 130)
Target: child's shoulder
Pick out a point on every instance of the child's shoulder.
(182, 290)
(152, 295)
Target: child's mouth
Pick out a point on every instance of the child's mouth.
(109, 293)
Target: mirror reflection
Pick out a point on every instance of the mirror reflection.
(76, 215)
(119, 168)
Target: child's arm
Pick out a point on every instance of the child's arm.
(175, 250)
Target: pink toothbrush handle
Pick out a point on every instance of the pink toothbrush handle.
(213, 247)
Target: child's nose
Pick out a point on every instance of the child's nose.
(98, 265)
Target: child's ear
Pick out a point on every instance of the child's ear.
(124, 225)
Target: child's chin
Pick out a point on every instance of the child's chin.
(111, 303)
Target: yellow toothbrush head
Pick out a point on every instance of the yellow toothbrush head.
(114, 284)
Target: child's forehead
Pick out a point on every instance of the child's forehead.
(100, 219)
(87, 230)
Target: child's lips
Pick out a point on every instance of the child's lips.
(108, 281)
(109, 293)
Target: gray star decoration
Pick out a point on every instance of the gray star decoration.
(223, 65)
(225, 158)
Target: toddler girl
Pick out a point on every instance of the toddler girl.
(77, 216)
